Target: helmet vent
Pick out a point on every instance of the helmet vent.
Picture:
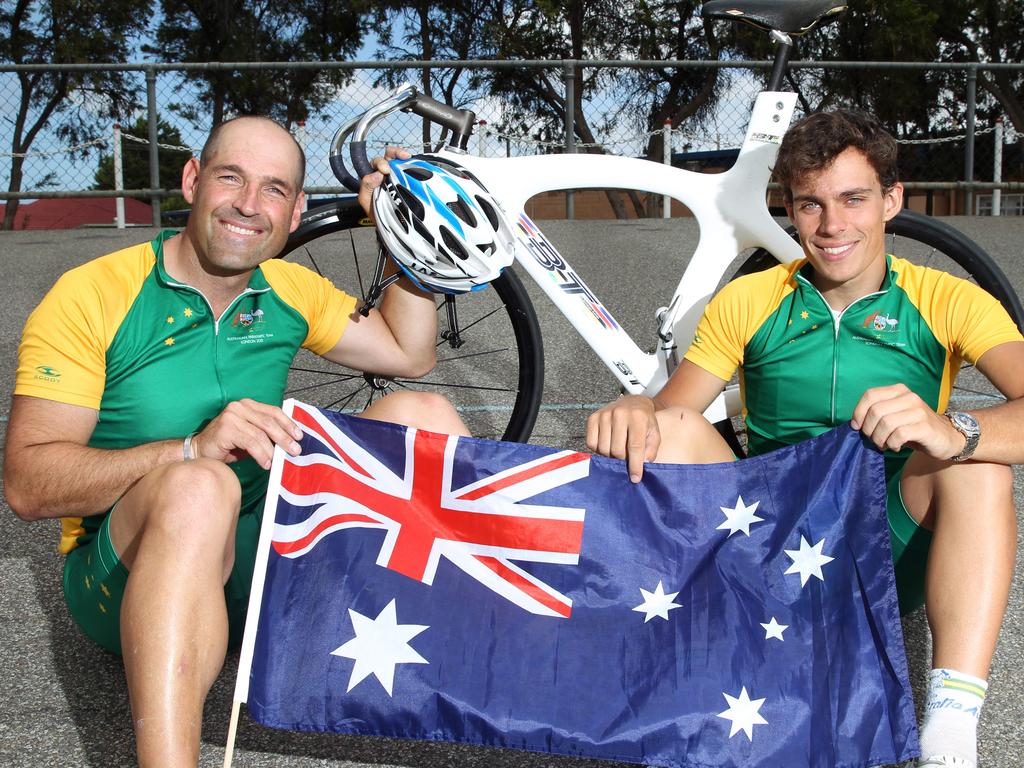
(418, 173)
(463, 211)
(489, 212)
(414, 203)
(453, 243)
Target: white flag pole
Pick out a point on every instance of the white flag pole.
(259, 575)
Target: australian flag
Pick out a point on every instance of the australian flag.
(423, 586)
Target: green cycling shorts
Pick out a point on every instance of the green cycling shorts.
(95, 578)
(910, 544)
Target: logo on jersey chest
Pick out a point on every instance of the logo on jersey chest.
(876, 321)
(250, 326)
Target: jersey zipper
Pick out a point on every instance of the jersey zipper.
(216, 326)
(836, 321)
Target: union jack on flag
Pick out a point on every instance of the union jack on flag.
(420, 586)
(481, 527)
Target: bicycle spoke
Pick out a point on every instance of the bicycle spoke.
(449, 385)
(473, 354)
(326, 373)
(315, 265)
(344, 400)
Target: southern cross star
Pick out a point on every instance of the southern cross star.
(379, 646)
(807, 560)
(740, 517)
(657, 603)
(743, 714)
(774, 629)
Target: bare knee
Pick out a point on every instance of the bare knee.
(982, 491)
(423, 410)
(191, 505)
(687, 437)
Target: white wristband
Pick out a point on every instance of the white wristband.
(186, 448)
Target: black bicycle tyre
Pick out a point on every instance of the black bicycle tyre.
(345, 214)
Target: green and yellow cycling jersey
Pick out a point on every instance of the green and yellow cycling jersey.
(803, 367)
(120, 336)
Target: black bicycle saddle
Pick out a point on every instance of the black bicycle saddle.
(794, 17)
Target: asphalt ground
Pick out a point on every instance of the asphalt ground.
(63, 701)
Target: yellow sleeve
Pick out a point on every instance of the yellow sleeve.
(966, 319)
(327, 309)
(63, 349)
(733, 316)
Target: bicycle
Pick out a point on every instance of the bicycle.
(493, 363)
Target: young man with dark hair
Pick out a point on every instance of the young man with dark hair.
(146, 412)
(850, 333)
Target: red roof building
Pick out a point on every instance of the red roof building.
(72, 212)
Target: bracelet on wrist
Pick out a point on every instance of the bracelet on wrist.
(186, 448)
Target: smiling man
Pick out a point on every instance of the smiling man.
(146, 412)
(853, 334)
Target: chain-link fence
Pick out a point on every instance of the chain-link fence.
(73, 154)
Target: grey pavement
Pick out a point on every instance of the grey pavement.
(63, 702)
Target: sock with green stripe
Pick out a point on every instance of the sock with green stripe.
(951, 715)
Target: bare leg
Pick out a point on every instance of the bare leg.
(423, 410)
(969, 508)
(688, 438)
(175, 532)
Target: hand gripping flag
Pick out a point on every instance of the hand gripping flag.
(416, 585)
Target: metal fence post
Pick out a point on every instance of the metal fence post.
(154, 155)
(118, 177)
(570, 130)
(972, 94)
(666, 156)
(997, 168)
(300, 139)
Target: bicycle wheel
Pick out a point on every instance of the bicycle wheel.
(929, 242)
(495, 378)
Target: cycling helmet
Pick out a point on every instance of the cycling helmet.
(441, 226)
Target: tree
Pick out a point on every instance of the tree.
(434, 30)
(870, 30)
(260, 31)
(66, 32)
(135, 162)
(606, 29)
(990, 31)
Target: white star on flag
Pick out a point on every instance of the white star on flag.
(807, 560)
(379, 645)
(774, 629)
(743, 714)
(657, 603)
(740, 517)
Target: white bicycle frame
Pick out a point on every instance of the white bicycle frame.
(730, 208)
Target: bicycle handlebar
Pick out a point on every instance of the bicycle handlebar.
(337, 159)
(407, 99)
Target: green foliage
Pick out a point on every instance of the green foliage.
(259, 31)
(608, 29)
(135, 162)
(870, 30)
(428, 30)
(989, 31)
(73, 103)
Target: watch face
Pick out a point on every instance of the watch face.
(965, 421)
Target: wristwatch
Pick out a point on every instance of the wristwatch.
(967, 426)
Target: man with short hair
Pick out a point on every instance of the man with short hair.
(850, 333)
(146, 412)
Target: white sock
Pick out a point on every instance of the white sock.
(951, 714)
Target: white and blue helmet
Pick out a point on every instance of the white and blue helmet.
(441, 225)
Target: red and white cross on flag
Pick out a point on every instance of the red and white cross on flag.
(480, 527)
